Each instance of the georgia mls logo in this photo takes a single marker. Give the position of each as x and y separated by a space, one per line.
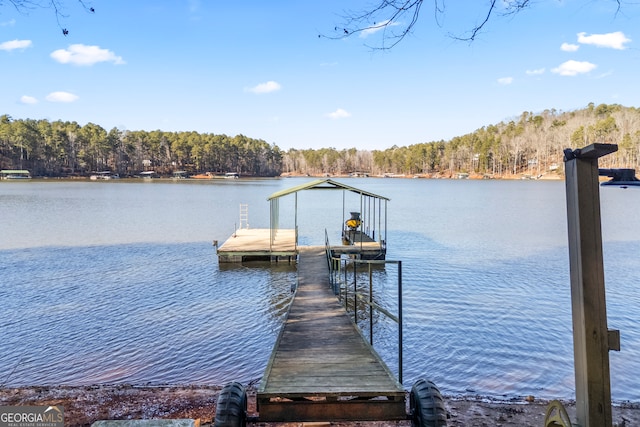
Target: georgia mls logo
31 416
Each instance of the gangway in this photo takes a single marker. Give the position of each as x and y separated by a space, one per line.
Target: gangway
322 368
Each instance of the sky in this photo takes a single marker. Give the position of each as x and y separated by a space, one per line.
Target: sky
259 68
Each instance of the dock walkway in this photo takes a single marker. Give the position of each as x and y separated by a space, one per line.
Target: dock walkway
321 367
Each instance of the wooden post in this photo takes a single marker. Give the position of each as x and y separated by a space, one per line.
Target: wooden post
589 312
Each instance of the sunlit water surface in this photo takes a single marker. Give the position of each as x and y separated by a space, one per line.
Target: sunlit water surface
118 282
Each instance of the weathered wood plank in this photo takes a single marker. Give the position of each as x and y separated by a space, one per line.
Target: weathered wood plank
588 296
331 411
320 353
327 385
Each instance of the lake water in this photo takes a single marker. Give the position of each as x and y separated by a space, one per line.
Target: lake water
118 282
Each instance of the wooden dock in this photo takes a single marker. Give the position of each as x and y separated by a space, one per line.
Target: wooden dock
254 244
321 368
248 244
358 243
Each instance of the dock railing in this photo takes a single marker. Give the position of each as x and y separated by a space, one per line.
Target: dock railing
343 276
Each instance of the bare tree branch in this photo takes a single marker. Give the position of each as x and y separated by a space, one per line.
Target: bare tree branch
55 5
511 7
397 18
383 17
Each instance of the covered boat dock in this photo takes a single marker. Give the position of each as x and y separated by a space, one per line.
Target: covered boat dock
15 174
321 368
363 233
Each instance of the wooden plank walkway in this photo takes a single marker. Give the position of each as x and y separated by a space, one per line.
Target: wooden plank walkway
321 368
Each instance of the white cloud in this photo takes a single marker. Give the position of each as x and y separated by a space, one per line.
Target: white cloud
573 68
80 54
339 114
15 44
9 23
611 40
62 97
535 72
267 87
505 80
569 47
375 28
26 99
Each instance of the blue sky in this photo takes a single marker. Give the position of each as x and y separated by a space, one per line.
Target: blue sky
259 69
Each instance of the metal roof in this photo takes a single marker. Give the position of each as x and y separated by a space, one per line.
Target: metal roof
323 184
8 171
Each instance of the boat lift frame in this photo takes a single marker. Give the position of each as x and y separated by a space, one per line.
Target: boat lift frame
372 212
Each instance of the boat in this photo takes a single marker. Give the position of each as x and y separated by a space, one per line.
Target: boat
231 175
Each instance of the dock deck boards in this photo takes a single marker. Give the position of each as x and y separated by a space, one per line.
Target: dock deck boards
356 237
256 242
360 243
321 368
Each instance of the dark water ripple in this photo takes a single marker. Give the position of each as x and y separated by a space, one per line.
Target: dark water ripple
137 313
143 331
487 306
503 328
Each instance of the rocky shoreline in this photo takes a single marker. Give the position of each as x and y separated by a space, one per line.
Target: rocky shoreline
84 405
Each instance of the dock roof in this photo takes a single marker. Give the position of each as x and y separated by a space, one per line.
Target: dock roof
10 171
324 184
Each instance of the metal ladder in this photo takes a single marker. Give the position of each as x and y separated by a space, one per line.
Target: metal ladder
244 215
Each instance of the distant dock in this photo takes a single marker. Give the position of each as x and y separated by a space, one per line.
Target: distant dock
15 174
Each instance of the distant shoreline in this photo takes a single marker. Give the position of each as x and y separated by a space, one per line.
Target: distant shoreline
202 177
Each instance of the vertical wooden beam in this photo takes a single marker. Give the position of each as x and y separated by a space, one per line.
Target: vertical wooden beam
590 334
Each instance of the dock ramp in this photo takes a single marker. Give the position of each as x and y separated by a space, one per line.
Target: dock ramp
321 368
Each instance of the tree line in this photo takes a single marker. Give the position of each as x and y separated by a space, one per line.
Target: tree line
527 145
530 144
68 149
